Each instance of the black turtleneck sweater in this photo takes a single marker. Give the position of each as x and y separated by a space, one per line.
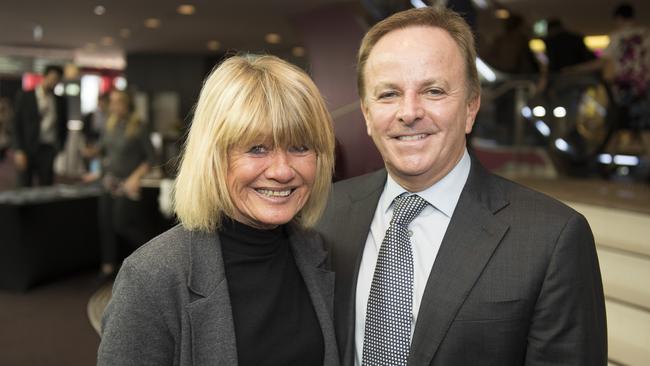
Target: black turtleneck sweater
275 321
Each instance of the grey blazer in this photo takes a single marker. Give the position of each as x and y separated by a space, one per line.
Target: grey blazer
170 303
516 280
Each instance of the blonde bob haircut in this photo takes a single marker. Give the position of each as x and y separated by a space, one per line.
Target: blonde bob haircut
246 99
432 16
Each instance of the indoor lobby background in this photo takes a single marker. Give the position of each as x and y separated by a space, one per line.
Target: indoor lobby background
562 133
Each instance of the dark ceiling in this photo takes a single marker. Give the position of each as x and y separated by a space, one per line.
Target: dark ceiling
240 25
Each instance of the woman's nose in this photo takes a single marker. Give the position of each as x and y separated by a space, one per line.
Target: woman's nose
280 168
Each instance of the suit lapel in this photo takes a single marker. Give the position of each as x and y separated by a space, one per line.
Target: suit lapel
471 238
361 205
310 259
211 322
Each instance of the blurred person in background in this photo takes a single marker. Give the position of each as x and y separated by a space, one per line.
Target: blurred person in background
93 129
625 63
242 280
95 122
127 156
564 48
509 53
6 115
39 130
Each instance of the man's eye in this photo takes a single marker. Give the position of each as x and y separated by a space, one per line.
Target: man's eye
258 149
435 92
388 94
299 149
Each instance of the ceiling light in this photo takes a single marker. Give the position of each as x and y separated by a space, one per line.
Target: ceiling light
152 23
125 33
502 14
186 9
213 45
543 128
481 3
418 4
107 41
99 10
559 112
485 70
273 38
562 145
298 51
37 33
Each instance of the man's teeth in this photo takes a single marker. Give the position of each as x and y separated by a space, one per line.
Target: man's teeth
412 137
272 193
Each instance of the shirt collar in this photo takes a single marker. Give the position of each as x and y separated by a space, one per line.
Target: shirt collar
443 195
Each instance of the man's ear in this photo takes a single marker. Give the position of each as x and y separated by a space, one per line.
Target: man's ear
473 105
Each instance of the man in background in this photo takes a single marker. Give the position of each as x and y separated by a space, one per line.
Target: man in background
39 130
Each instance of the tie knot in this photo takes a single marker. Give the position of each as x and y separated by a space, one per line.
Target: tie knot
407 207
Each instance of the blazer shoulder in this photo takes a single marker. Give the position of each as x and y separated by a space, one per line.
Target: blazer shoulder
523 198
360 186
165 255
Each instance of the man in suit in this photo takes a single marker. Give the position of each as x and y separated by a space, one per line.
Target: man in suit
39 129
488 272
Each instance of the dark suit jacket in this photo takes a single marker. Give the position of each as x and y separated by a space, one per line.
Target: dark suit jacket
516 280
170 303
27 123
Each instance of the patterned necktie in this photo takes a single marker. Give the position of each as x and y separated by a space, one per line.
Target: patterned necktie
387 334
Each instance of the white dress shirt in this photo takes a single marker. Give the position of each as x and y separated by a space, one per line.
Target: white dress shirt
427 230
47 109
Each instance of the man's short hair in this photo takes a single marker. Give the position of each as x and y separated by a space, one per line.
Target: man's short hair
244 99
624 10
438 17
53 68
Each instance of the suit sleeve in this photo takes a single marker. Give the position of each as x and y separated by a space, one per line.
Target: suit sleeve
18 123
133 329
568 325
62 125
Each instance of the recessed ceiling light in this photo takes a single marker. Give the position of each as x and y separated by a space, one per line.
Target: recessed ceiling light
152 23
107 41
502 14
186 9
213 45
125 33
99 10
37 33
298 51
273 38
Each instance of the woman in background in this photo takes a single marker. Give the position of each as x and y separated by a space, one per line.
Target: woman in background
127 156
242 280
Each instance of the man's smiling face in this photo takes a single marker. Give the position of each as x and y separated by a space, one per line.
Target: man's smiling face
417 108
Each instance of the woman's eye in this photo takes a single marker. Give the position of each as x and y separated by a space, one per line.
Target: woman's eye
258 149
299 149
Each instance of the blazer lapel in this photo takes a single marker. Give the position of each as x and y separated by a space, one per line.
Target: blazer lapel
211 322
361 206
311 259
471 238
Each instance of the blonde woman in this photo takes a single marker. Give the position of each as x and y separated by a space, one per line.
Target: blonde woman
127 155
242 280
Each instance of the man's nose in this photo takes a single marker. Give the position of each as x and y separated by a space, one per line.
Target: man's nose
410 109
